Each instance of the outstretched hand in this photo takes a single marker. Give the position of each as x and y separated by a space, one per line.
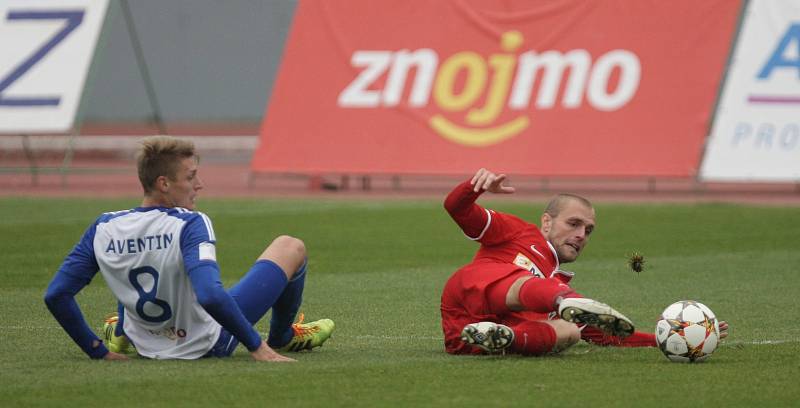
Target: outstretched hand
112 356
723 329
264 353
488 181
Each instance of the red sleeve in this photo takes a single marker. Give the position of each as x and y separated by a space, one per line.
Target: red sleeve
460 204
479 224
637 339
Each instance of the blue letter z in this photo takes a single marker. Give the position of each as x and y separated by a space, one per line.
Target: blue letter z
73 18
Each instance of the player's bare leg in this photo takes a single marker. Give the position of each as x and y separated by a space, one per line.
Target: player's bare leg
575 310
512 298
289 254
567 334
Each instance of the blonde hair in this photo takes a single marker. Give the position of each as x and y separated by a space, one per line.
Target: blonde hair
161 156
558 202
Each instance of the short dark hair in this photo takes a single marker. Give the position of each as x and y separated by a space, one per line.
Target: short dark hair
558 202
160 156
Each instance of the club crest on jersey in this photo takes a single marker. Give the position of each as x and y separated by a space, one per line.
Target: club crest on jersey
523 262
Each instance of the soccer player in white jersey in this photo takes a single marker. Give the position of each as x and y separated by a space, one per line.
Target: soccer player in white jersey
159 260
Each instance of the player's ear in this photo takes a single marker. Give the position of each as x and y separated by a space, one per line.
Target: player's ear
547 223
162 184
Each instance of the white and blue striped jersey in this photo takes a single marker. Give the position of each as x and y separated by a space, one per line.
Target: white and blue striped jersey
143 256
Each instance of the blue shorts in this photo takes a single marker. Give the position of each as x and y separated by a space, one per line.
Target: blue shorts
225 345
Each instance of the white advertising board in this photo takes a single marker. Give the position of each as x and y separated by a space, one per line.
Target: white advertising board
756 131
46 48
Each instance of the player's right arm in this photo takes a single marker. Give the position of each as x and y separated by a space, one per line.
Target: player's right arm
75 272
473 219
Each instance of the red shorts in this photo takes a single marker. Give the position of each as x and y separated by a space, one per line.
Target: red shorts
467 298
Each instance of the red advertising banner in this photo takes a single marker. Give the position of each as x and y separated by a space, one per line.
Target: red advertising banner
565 87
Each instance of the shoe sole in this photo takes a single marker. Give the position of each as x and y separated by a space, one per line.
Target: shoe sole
607 322
303 345
306 345
497 338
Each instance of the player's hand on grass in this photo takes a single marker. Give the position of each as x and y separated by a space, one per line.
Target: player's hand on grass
723 329
112 356
264 353
493 183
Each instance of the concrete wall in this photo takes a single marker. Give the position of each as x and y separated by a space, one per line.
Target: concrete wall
209 60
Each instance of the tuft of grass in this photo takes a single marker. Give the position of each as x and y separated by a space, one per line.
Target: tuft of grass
377 269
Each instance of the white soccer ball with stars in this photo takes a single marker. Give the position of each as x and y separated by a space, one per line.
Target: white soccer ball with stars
687 331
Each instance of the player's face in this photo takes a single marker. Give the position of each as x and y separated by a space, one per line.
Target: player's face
182 190
569 231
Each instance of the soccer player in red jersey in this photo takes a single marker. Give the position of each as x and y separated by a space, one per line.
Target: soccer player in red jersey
513 296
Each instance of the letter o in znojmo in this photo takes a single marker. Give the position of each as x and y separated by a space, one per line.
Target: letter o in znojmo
476 74
630 71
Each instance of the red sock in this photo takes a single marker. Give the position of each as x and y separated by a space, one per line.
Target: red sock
533 338
539 295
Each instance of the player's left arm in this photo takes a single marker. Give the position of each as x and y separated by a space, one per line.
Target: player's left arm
198 246
75 273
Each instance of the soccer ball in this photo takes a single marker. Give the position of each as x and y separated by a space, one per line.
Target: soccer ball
687 331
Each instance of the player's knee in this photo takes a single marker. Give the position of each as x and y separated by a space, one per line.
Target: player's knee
287 252
567 334
290 246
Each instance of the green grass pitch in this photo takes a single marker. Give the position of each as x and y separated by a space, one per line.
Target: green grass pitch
377 269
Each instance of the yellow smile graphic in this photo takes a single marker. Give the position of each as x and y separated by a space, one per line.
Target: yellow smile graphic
478 81
477 137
